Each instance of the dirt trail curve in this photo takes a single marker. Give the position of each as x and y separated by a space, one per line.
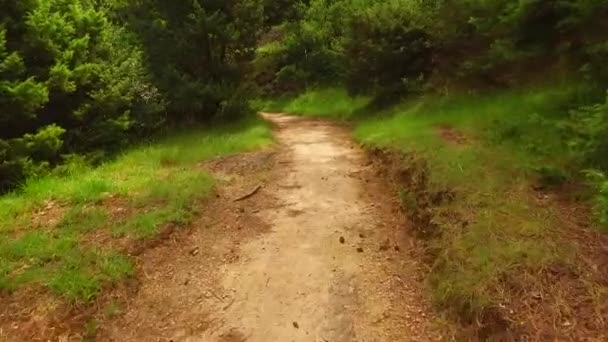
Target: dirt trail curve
331 263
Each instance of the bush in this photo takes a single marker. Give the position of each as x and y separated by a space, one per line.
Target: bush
197 51
73 79
70 81
602 203
588 132
308 51
600 182
388 53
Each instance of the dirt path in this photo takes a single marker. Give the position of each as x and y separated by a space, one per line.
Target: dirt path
318 255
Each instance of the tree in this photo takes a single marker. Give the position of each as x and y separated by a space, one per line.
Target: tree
67 84
198 51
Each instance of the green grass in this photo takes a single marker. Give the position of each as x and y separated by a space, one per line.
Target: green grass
84 219
332 103
149 186
491 173
494 231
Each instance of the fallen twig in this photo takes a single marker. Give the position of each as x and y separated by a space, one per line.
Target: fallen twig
226 307
216 296
255 191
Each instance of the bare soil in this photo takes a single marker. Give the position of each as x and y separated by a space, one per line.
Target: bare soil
452 135
319 253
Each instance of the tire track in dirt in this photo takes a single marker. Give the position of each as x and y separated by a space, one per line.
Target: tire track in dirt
333 265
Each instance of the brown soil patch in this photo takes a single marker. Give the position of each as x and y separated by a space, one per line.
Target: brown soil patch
241 164
452 135
48 216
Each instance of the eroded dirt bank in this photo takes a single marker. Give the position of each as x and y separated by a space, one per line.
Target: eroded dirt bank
318 254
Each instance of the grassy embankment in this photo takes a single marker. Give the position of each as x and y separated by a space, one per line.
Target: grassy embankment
494 239
66 232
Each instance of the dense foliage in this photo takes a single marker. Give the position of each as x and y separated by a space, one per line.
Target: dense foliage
67 84
388 53
82 76
197 51
488 43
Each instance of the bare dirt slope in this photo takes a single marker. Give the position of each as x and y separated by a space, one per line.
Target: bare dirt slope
319 254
